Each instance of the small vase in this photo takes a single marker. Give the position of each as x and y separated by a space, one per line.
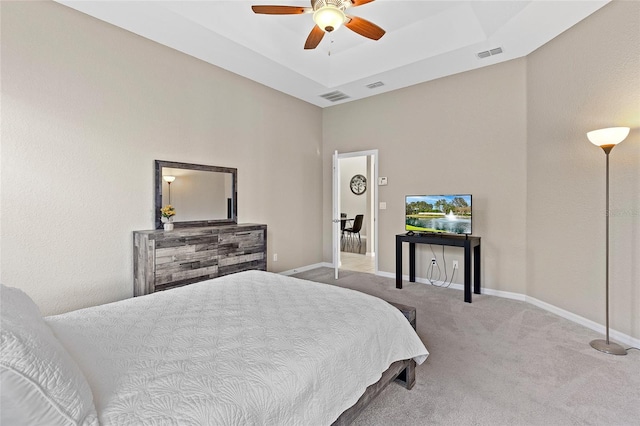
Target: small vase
168 226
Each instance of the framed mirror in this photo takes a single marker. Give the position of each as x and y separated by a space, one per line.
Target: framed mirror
201 195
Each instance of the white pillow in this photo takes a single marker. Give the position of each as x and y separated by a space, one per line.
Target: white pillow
40 383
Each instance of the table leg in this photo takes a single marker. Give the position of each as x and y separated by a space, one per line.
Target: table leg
476 269
398 263
467 272
412 262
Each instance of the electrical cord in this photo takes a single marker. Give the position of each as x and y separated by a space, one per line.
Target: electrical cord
432 267
444 260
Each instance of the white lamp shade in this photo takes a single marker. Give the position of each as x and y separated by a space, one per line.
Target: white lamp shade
608 136
329 18
169 178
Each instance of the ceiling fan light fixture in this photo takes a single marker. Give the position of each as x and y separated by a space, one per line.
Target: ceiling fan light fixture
329 18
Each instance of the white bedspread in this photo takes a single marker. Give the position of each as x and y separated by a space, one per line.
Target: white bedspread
253 348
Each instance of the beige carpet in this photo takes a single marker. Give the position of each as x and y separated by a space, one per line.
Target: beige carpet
498 362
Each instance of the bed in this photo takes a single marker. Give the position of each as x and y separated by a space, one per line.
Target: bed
252 348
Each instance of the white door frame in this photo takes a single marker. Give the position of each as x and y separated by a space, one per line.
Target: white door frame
335 214
336 203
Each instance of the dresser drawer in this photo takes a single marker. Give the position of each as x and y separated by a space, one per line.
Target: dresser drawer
242 250
176 264
242 239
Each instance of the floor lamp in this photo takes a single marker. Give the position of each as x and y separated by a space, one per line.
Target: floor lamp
607 139
169 179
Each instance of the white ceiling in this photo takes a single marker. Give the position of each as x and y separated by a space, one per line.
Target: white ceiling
424 39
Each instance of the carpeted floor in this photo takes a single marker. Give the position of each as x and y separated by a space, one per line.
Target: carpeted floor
498 362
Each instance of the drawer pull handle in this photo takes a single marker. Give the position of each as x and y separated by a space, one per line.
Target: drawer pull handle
243 233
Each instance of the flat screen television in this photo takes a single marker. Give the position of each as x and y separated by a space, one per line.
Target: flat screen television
449 213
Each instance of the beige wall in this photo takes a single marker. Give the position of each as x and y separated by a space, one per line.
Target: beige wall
88 107
513 135
461 134
350 203
585 79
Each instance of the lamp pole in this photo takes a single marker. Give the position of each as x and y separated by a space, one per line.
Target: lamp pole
607 150
607 139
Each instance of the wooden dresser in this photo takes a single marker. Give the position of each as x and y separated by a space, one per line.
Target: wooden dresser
168 259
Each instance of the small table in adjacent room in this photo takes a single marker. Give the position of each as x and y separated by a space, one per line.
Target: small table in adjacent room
468 242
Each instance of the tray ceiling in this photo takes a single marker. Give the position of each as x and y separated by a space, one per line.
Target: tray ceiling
424 40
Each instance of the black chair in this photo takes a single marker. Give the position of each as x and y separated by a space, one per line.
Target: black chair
355 229
343 224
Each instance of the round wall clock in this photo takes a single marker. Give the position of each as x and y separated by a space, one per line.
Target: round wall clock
358 184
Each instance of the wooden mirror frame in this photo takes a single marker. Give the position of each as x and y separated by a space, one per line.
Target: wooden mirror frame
159 164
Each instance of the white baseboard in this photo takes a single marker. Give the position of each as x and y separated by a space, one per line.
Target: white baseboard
613 334
489 291
625 339
307 268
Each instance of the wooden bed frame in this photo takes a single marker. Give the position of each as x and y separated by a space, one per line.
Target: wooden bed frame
403 371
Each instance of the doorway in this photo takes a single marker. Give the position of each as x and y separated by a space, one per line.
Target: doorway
355 250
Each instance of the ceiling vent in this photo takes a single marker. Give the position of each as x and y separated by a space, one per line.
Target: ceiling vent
490 52
374 85
334 96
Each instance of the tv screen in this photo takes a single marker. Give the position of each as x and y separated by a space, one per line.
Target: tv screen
438 213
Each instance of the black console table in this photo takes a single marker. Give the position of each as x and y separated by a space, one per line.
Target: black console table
467 241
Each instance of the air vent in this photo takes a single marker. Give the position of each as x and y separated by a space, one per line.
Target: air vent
374 85
334 96
490 52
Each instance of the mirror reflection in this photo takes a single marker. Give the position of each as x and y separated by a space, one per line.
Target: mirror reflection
201 195
197 194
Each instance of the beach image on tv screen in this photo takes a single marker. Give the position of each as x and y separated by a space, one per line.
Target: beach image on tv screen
438 213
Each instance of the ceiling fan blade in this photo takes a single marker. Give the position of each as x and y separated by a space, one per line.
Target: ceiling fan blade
280 10
364 27
315 37
360 2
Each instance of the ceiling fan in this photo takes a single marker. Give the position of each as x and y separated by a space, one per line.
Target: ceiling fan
328 16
